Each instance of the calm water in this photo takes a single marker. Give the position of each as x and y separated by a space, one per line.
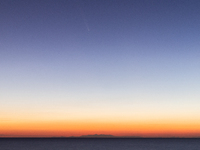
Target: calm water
99 144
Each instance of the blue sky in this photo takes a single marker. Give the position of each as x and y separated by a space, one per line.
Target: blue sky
134 60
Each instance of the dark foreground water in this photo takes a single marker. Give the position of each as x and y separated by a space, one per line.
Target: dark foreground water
99 144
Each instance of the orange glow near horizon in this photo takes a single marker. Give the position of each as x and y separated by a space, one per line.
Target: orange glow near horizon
58 129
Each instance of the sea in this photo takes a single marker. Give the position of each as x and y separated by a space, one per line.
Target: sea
99 144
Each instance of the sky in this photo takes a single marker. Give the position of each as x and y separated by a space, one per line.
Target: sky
117 67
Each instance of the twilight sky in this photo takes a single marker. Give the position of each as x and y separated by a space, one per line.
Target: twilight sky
121 67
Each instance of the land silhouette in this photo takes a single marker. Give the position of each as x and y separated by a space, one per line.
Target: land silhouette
98 136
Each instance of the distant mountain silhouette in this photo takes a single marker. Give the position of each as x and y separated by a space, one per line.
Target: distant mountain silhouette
97 136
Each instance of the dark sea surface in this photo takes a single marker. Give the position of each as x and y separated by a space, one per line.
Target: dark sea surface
98 144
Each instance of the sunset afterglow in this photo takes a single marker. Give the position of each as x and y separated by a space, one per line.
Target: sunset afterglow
122 68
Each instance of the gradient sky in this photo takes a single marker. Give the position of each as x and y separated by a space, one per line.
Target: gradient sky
120 67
